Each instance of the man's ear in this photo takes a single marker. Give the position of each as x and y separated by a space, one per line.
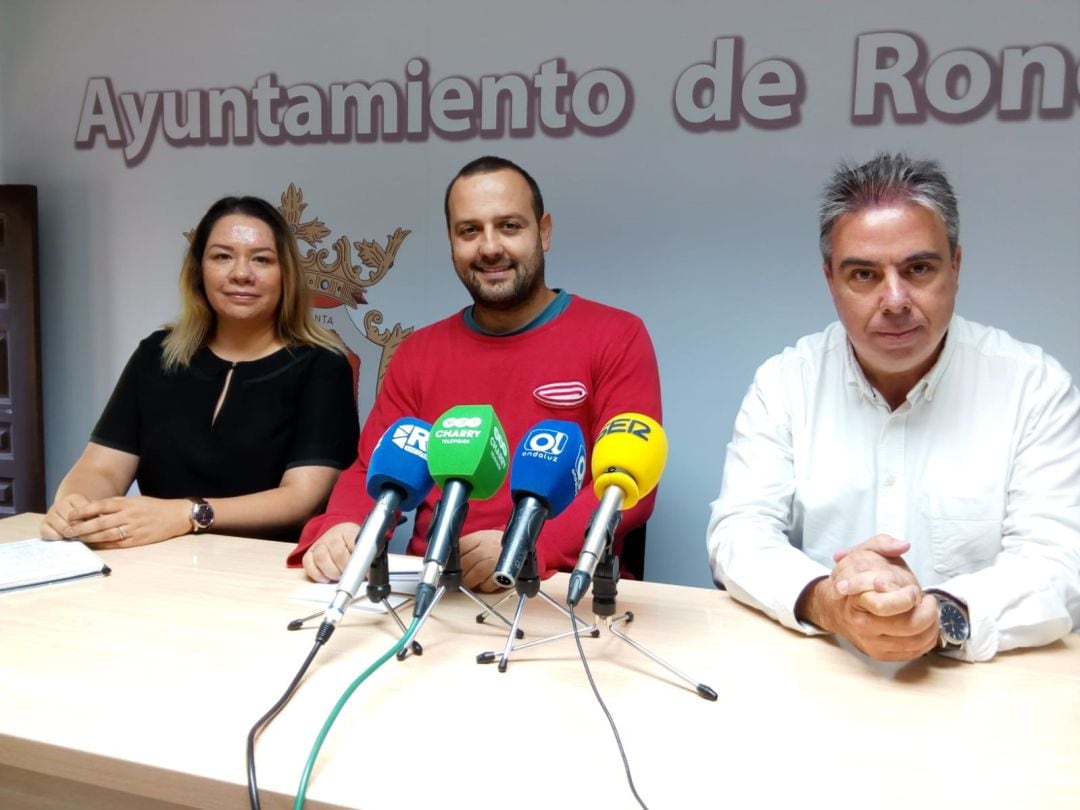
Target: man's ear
545 231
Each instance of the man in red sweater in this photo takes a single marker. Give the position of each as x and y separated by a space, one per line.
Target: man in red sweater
530 351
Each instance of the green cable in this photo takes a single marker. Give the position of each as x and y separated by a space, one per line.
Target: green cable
298 804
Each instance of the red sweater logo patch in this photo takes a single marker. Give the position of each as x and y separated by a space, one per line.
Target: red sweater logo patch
561 394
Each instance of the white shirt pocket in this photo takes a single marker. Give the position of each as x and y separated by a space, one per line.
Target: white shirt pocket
965 532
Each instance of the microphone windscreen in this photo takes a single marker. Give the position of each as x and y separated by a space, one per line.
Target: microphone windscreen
629 453
400 460
549 464
468 444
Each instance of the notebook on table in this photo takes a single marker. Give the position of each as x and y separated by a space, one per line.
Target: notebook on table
34 562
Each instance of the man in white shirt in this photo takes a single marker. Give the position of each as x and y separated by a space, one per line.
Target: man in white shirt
906 479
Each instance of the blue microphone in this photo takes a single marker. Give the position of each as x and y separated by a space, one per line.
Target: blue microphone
398 479
399 462
548 468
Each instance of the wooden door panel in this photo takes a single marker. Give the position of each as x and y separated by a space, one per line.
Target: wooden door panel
22 457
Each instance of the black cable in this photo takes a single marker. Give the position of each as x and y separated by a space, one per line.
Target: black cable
600 700
321 637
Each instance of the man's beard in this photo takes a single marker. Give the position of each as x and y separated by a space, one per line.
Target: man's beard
528 277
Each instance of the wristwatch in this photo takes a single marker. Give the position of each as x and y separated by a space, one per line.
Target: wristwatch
953 625
202 515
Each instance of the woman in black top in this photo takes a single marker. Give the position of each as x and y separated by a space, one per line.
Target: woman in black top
239 415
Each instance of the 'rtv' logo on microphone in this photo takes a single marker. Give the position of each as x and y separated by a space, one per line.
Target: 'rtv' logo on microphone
543 442
624 424
412 439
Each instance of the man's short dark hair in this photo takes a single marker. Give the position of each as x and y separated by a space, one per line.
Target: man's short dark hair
887 179
487 165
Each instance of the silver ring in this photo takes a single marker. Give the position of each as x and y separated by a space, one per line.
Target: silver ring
123 534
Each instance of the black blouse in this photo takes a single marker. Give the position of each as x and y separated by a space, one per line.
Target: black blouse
293 408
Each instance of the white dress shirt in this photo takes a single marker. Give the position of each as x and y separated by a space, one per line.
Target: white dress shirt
979 469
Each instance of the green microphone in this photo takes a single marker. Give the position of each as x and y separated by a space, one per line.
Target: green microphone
468 457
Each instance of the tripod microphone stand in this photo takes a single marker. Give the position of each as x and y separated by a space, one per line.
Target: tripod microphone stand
450 580
527 586
605 591
378 593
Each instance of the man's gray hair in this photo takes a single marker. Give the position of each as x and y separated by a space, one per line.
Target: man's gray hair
885 180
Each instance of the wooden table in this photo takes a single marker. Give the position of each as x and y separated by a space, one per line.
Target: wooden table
138 690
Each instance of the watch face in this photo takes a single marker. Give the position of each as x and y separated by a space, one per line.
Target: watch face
953 624
202 514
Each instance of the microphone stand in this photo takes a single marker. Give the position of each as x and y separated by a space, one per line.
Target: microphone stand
527 585
450 580
605 591
378 592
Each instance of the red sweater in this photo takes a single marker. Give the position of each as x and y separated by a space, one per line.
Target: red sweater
588 364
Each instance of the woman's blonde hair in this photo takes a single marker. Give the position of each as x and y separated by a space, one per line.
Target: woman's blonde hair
295 325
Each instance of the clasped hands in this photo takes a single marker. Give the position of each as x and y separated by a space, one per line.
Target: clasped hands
117 522
874 600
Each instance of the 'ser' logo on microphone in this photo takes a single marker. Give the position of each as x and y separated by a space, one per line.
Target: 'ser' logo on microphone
412 439
622 424
550 442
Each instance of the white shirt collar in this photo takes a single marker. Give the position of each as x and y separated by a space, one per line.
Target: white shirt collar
924 388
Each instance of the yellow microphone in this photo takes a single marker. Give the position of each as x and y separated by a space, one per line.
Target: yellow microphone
628 460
